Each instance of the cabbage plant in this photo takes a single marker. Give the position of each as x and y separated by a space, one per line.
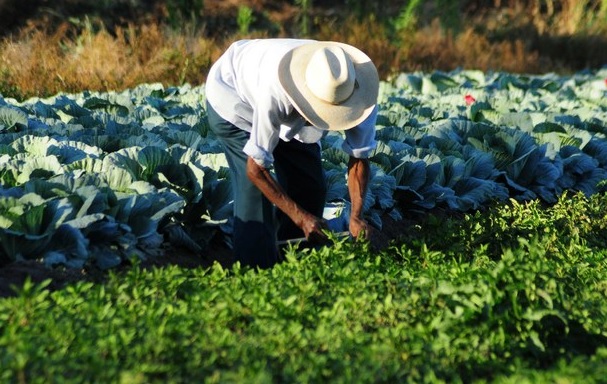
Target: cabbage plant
115 174
28 224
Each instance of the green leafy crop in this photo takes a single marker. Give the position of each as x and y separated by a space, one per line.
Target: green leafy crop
459 141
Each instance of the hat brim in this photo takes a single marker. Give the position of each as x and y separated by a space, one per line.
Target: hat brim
323 115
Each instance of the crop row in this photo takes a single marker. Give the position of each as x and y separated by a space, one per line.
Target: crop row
515 294
102 177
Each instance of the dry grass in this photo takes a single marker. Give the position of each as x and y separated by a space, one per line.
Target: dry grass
40 64
371 37
567 17
528 36
435 49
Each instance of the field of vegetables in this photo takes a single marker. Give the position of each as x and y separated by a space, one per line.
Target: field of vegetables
510 285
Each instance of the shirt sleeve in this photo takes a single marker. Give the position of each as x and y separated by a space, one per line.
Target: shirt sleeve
360 140
265 132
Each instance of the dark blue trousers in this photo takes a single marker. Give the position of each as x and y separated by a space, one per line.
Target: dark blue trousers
257 224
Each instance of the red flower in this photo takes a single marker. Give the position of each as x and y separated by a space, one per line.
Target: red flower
606 82
470 99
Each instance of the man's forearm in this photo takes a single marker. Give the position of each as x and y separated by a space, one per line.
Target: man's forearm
311 225
263 180
358 181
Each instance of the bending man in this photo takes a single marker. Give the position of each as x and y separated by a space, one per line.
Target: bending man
269 102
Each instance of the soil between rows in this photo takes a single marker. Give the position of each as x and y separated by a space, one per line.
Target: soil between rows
14 275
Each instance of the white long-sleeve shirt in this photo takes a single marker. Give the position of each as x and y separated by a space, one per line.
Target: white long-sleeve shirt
243 88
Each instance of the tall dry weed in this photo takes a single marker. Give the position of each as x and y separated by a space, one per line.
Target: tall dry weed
556 17
28 64
38 64
434 48
369 35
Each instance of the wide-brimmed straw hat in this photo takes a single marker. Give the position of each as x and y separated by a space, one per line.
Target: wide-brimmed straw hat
332 85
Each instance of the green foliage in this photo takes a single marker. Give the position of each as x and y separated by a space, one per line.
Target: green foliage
418 312
12 119
574 221
27 225
305 27
181 12
508 289
407 21
445 140
244 19
450 14
358 7
124 181
407 18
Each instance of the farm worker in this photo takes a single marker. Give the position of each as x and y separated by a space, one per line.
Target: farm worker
269 102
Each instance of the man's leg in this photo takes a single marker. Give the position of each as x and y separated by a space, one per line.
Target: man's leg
254 216
299 170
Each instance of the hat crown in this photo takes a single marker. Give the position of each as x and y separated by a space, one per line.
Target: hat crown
330 75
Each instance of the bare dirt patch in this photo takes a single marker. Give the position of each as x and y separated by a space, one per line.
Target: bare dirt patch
13 276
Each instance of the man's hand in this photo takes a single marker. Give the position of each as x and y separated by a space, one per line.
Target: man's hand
311 225
313 228
360 229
